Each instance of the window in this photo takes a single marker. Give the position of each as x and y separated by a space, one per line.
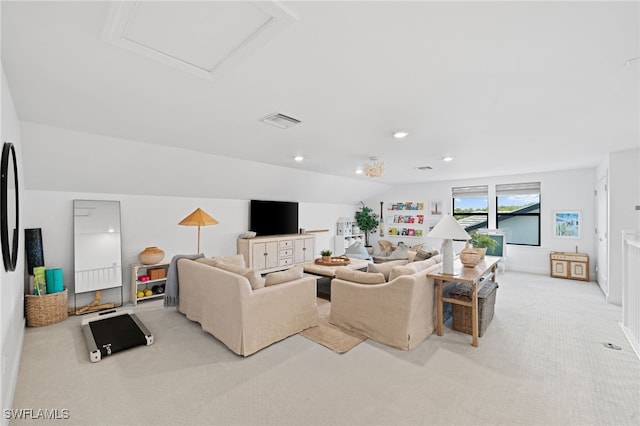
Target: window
518 212
471 206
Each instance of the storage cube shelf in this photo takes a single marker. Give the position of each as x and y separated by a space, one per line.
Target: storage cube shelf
158 277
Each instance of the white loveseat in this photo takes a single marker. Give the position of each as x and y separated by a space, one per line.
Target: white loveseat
397 310
244 319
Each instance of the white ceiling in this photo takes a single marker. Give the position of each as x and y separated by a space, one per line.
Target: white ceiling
503 87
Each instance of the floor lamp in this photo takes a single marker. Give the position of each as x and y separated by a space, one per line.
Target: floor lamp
448 229
198 218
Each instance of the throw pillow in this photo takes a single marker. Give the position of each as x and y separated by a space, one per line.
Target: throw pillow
359 277
412 268
236 259
385 267
424 254
401 252
208 261
280 277
252 275
358 251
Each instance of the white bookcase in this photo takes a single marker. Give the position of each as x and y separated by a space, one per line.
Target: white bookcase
342 242
139 270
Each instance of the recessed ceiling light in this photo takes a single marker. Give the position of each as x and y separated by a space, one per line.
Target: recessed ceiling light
298 158
358 171
400 134
447 159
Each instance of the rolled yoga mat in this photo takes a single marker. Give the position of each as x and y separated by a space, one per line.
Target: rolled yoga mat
54 280
33 247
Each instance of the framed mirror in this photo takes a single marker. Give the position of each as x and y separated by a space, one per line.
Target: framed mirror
10 214
97 249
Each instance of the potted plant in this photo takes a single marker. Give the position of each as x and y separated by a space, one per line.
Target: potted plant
482 242
367 221
326 255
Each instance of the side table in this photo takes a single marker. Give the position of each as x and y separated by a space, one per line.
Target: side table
476 277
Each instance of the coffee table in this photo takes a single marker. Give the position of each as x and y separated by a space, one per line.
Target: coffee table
324 274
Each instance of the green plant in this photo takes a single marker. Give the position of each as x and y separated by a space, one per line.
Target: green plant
326 253
483 241
367 221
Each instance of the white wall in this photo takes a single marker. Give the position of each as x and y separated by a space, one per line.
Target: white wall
624 187
564 190
153 221
64 160
11 283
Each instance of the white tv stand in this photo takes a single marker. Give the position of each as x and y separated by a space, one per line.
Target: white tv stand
277 252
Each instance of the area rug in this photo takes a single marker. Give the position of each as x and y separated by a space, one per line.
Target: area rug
331 336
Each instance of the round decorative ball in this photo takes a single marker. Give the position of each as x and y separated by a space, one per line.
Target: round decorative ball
151 255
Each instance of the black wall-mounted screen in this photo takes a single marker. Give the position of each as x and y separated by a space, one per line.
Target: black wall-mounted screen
273 217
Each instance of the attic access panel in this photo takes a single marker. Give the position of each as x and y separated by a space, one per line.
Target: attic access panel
202 38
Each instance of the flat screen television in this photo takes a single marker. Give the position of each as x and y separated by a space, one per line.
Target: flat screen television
273 217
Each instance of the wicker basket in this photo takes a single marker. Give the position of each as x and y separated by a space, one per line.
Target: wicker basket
462 314
46 309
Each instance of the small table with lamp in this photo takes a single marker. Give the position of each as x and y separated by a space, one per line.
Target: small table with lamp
476 277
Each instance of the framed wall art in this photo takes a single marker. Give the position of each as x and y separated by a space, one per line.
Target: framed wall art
435 208
566 224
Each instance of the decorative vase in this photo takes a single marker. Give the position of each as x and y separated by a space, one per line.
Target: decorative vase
469 256
151 255
326 259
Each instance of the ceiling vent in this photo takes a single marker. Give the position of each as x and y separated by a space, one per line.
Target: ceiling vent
280 120
424 168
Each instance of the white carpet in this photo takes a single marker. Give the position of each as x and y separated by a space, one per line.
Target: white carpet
540 362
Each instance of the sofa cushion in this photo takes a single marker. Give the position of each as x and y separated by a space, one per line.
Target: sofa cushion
236 259
385 267
359 277
280 277
413 267
424 254
357 251
254 277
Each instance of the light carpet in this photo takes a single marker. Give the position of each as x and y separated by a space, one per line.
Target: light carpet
331 336
542 361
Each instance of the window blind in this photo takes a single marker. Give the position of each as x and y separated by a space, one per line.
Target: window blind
518 188
470 191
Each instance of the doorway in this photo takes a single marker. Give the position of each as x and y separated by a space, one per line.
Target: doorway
602 210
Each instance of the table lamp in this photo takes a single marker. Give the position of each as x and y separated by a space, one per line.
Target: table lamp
448 229
198 218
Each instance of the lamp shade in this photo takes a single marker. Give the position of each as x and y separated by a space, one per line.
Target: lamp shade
449 228
198 218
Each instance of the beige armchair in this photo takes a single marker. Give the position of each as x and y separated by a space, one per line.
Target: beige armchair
386 247
398 313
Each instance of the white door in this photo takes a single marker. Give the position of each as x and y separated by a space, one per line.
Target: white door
602 209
